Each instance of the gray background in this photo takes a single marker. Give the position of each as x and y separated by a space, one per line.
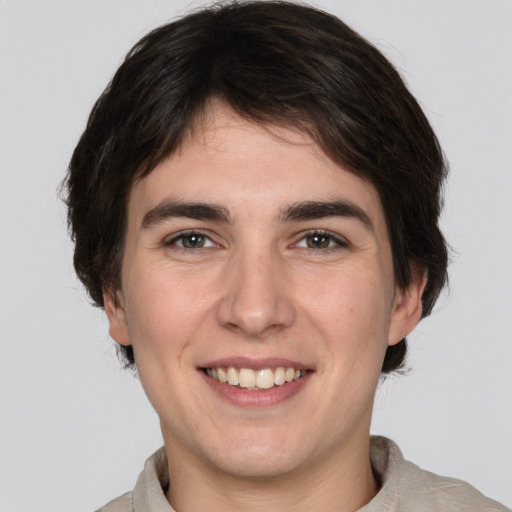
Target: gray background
74 429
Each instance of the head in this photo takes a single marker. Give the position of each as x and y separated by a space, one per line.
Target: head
273 64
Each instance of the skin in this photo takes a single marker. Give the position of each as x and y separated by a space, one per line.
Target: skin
260 287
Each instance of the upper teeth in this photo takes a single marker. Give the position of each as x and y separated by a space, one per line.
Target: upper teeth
265 378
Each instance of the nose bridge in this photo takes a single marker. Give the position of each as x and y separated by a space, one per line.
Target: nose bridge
256 299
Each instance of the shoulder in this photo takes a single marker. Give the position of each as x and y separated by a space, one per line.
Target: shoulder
149 491
122 504
413 488
443 493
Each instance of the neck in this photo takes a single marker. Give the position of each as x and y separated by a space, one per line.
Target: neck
343 483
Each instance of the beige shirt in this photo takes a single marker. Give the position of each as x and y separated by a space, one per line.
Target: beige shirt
405 487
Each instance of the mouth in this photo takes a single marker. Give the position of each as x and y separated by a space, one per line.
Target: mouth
254 380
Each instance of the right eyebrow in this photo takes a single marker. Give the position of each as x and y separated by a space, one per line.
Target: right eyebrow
199 211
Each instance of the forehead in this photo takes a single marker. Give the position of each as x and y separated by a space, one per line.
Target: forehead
250 169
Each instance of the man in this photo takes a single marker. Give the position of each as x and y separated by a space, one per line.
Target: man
255 203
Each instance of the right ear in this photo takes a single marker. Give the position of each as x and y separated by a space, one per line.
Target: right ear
114 308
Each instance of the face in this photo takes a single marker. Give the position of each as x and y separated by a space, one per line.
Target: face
259 297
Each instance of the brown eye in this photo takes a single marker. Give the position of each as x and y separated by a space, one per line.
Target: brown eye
193 241
318 241
190 240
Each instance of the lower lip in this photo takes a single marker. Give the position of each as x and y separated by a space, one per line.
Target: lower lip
256 398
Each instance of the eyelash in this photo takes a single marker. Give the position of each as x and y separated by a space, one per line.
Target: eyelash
184 234
334 241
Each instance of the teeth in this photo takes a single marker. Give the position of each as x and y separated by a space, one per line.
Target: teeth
247 378
232 376
222 375
264 379
279 376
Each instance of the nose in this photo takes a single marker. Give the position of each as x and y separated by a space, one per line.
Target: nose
257 299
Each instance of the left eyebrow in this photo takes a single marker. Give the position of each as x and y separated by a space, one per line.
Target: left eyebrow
311 210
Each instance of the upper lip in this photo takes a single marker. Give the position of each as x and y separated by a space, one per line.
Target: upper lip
255 364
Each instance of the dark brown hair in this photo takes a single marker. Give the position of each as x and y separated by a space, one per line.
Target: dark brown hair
273 62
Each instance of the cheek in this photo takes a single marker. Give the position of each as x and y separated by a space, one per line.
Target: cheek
163 311
164 317
351 295
352 312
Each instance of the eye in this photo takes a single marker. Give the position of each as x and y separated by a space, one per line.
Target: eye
321 240
191 240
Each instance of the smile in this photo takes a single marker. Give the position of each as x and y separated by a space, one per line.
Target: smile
266 378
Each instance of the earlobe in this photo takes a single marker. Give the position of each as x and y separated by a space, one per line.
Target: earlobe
407 308
114 308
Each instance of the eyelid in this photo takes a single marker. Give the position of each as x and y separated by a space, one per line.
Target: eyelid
170 240
340 240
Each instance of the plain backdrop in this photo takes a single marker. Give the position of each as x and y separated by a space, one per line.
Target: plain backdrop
75 429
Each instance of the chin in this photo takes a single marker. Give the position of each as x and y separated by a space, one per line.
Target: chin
260 459
259 466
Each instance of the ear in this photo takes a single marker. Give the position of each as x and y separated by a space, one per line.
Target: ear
114 308
407 307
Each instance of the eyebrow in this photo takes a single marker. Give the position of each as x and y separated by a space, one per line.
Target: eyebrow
199 211
311 210
308 210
